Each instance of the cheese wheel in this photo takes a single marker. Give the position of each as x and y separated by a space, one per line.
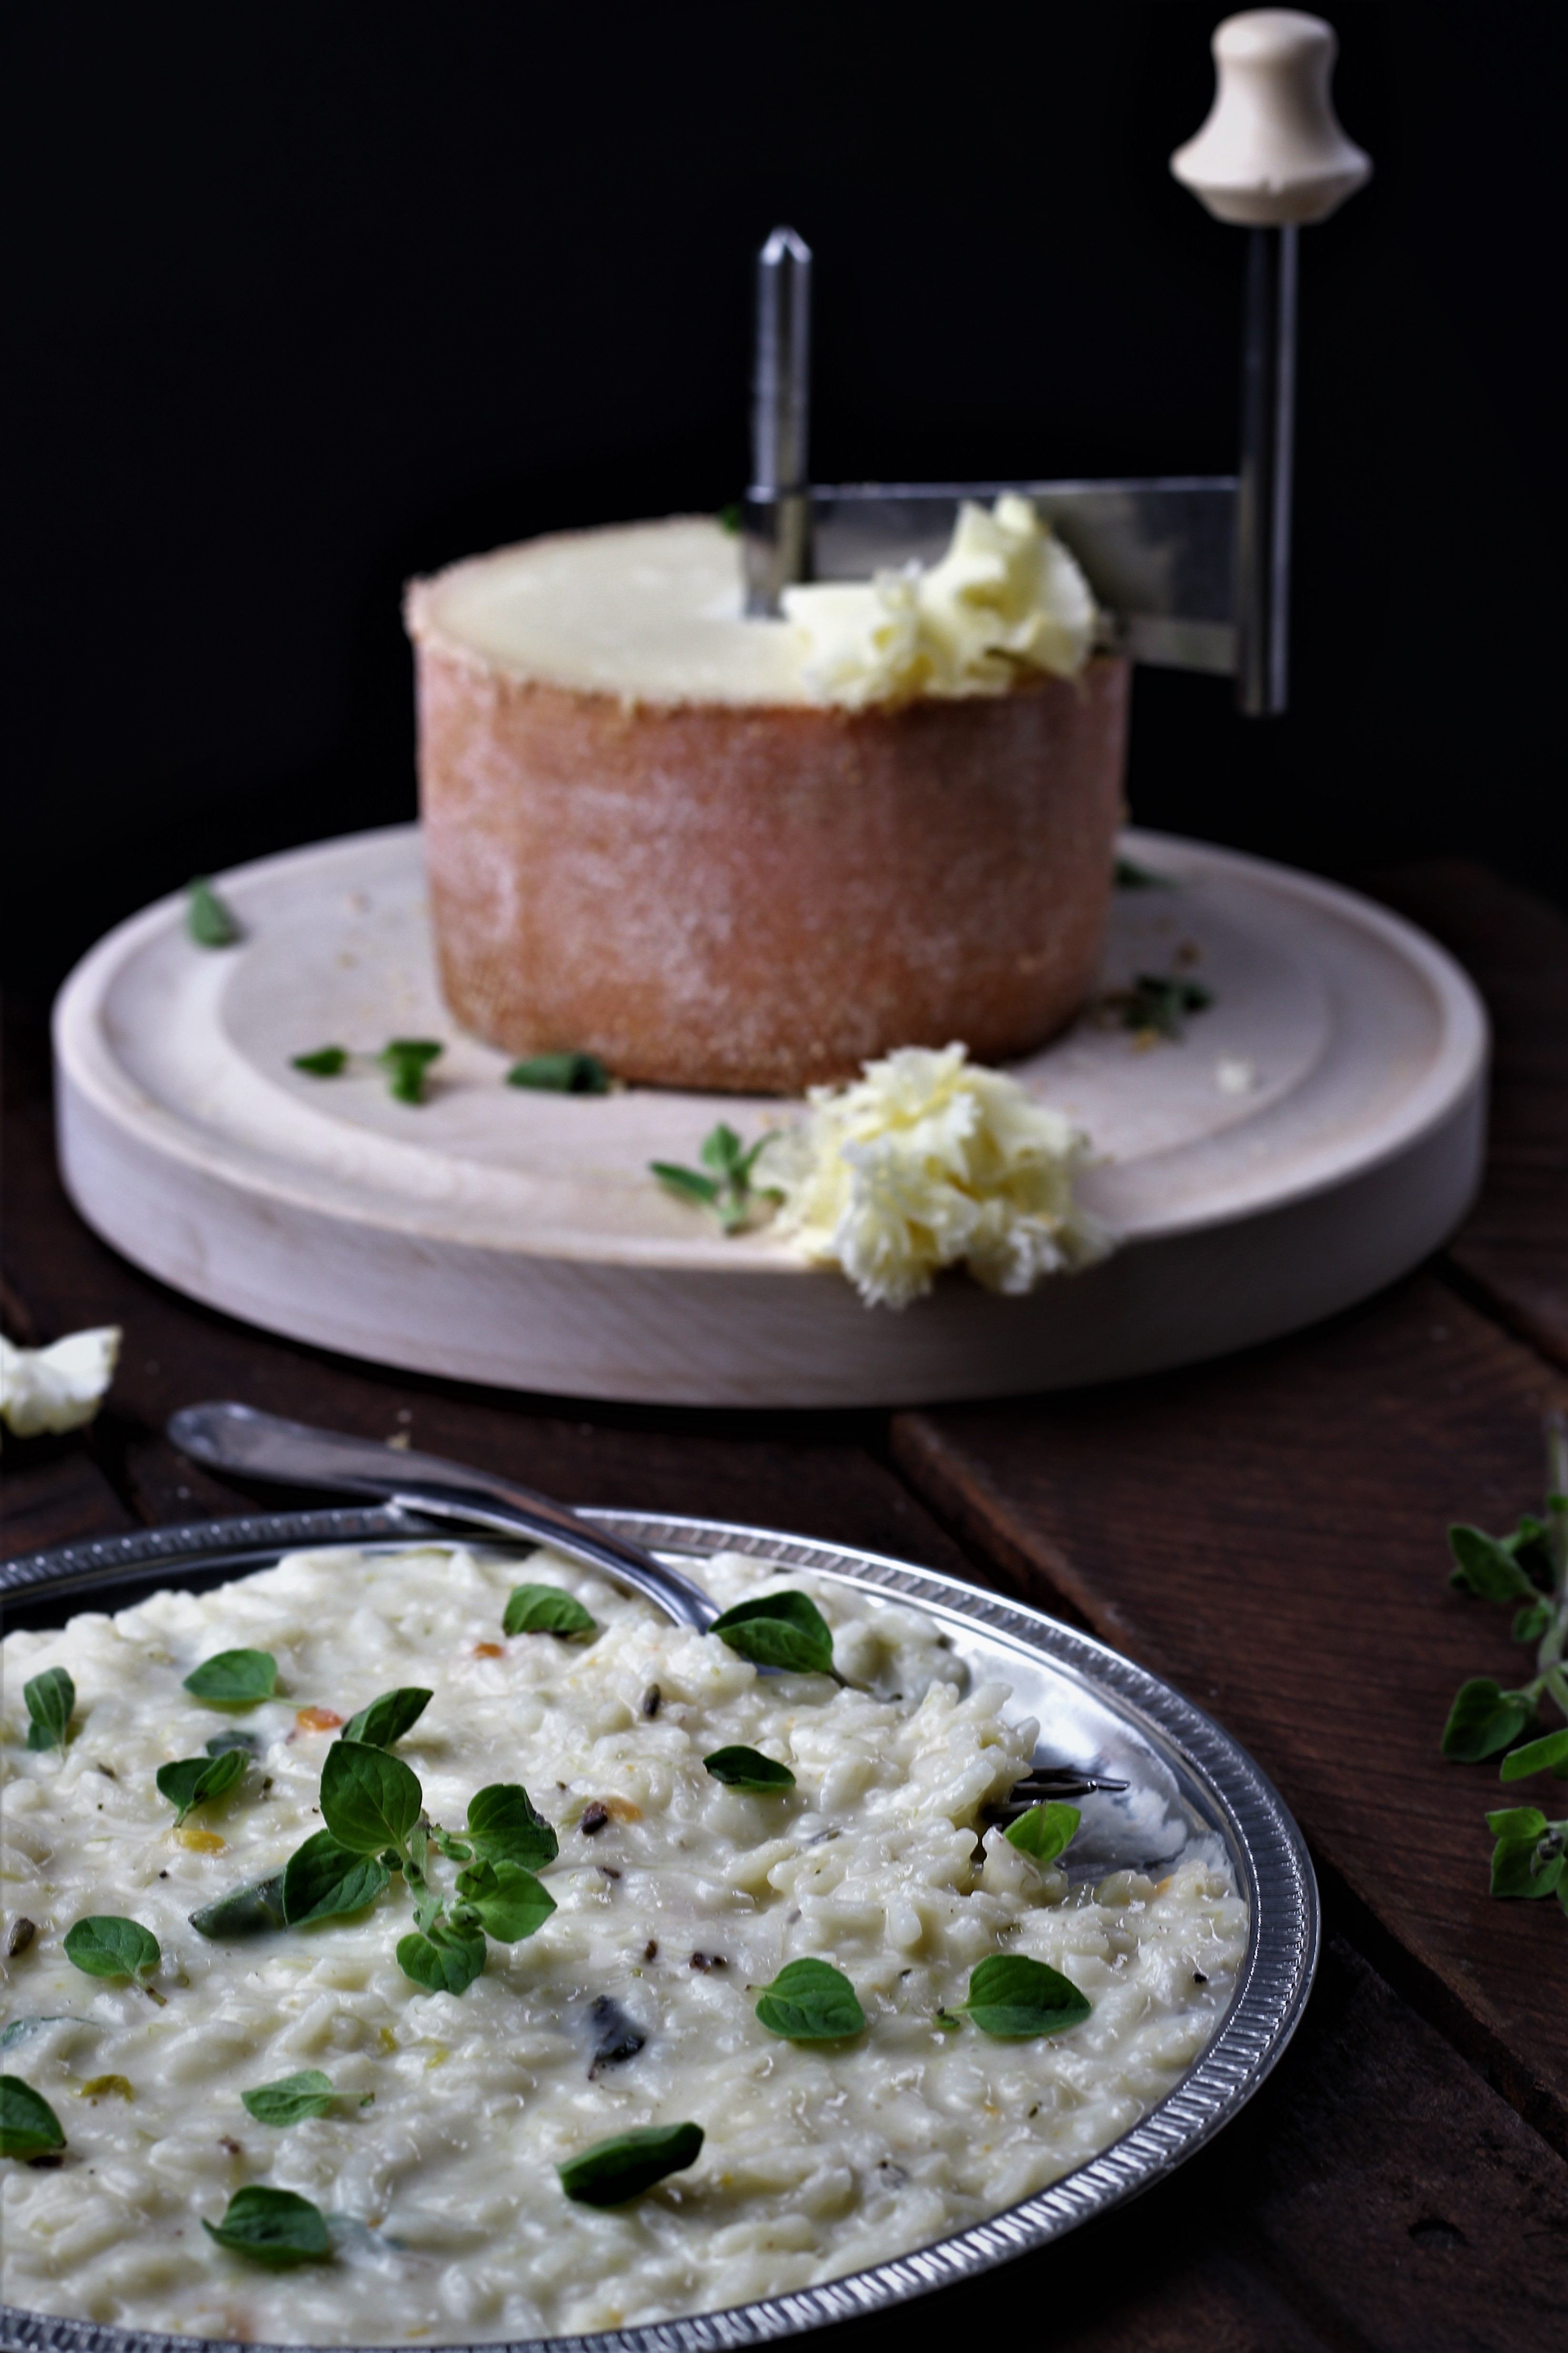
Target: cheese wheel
644 841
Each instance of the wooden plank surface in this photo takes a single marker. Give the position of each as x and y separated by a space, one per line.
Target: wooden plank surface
1267 1533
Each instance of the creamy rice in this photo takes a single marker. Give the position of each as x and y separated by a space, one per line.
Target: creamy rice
447 2215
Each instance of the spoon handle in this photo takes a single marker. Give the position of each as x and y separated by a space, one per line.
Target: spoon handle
237 1437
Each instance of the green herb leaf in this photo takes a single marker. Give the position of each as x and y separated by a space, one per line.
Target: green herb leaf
1482 1565
730 516
1536 1757
324 1878
1531 1622
1044 1830
326 1062
291 2099
561 1074
444 1959
208 920
779 1630
811 2001
545 1609
251 1911
406 1062
234 1678
1526 1867
1517 1822
614 2170
1126 875
1011 1996
105 1945
28 2126
747 1769
369 1799
50 1698
723 1150
445 1843
1483 1719
688 1182
386 1719
510 1901
1158 1001
247 1743
272 2227
504 1827
192 1781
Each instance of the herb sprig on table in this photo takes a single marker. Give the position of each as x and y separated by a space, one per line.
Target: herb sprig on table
1157 1004
1528 1571
723 1184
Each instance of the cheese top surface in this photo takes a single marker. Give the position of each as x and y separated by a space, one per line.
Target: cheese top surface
635 2004
654 612
648 611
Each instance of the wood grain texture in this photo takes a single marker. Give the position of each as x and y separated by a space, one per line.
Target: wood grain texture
1268 1533
1513 1249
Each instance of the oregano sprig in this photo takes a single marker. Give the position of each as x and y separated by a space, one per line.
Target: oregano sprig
723 1184
1528 1572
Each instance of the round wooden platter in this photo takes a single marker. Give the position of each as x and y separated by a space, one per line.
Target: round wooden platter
1314 1134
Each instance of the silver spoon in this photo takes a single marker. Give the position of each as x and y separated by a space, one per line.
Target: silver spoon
228 1437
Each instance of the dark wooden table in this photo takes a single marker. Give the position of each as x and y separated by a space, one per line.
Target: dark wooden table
1267 1533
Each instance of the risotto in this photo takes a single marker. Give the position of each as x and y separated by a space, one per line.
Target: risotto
433 2125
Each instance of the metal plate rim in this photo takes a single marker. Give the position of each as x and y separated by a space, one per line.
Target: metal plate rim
1270 1998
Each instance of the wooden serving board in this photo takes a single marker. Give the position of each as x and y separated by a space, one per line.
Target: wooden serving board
502 1236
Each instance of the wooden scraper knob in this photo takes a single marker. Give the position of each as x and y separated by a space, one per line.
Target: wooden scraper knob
1271 151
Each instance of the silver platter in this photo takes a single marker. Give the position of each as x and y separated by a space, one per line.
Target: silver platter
1191 1788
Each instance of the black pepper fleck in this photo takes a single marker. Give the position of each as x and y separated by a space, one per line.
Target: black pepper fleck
652 1701
1198 1977
706 1961
650 1950
595 1817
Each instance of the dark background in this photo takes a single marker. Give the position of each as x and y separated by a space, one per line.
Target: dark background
307 299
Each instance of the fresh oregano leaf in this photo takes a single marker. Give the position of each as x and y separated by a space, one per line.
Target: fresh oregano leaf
251 1911
28 2126
326 1062
192 1781
503 1827
324 1878
728 1191
1528 1867
50 1698
612 2171
386 1719
445 1959
1485 1565
688 1182
445 1843
1011 1996
779 1630
406 1062
272 2227
561 1074
369 1799
106 1946
1517 1822
234 1678
546 1610
291 2099
1483 1719
509 1902
208 920
1043 1832
748 1768
811 2001
1536 1757
1531 1622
